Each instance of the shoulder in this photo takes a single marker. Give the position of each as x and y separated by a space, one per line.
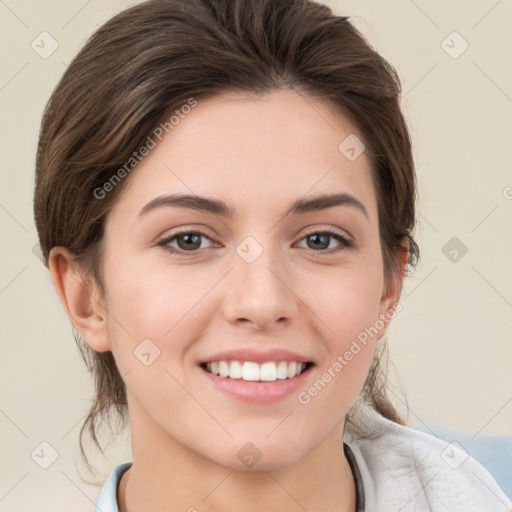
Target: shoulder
408 470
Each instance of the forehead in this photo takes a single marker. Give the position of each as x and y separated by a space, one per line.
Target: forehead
246 149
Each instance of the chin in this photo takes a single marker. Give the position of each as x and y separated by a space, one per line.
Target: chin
271 463
259 456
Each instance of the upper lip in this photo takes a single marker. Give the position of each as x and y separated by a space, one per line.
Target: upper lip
257 356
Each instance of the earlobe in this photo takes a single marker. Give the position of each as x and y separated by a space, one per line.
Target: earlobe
79 298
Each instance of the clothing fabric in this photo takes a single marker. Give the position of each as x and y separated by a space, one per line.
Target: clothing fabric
107 501
349 454
406 470
396 469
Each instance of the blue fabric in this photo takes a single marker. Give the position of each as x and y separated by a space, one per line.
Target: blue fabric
493 452
107 501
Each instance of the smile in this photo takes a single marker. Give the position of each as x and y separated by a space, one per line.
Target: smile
254 372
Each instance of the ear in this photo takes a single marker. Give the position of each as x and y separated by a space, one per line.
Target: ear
391 294
80 298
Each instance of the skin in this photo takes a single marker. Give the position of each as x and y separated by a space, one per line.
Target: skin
258 154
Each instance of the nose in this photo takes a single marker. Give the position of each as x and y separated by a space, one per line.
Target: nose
260 293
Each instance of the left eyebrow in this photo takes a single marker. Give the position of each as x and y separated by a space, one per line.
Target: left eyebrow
217 207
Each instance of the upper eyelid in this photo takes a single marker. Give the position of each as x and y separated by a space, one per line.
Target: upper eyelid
204 232
330 231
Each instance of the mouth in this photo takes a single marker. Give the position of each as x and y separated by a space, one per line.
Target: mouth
257 376
251 371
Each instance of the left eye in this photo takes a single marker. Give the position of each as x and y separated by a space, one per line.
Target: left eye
321 238
190 241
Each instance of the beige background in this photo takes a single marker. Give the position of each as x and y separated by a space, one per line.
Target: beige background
451 345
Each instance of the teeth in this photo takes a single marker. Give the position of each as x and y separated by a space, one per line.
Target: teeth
235 370
223 369
268 372
252 371
282 370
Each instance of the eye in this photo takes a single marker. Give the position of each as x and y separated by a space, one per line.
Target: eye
190 242
319 241
187 241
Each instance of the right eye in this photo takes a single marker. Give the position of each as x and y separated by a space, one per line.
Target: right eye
186 241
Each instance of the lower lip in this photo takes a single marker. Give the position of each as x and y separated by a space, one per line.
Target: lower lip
258 392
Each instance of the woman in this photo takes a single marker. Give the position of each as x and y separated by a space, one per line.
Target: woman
225 198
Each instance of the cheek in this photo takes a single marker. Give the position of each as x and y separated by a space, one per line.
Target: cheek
149 324
155 316
348 317
347 305
152 301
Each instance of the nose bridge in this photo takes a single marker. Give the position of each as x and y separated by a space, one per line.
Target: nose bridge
258 291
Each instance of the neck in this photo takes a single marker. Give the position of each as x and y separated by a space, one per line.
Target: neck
166 475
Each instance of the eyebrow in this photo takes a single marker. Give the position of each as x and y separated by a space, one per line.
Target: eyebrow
217 207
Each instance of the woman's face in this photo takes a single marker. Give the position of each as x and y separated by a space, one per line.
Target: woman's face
187 286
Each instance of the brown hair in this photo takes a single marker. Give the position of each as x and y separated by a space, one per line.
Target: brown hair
149 60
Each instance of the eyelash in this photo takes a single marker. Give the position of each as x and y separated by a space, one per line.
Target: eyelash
345 242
